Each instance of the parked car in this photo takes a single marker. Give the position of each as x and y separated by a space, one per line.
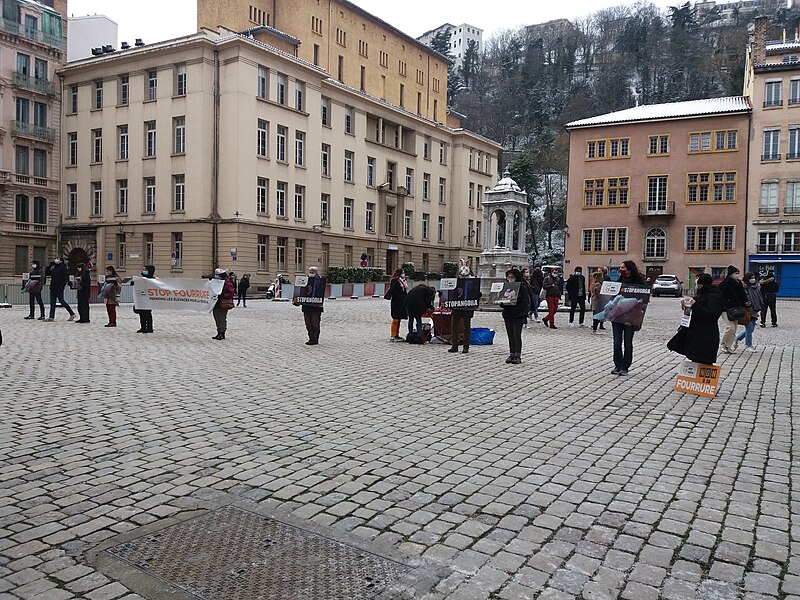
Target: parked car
667 284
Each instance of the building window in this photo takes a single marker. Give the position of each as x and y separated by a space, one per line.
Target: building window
22 160
363 48
478 238
362 78
348 256
794 91
262 193
22 209
658 145
178 193
370 172
299 148
426 219
426 147
180 79
39 164
98 94
384 59
325 110
657 193
340 69
280 92
390 220
150 138
123 90
341 37
391 168
179 129
706 187
402 96
716 238
262 252
767 241
442 190
792 198
772 138
426 186
152 85
149 194
772 93
440 230
97 145
714 141
349 124
325 209
280 198
326 160
299 202
408 223
122 142
316 25
479 196
72 199
149 249
791 241
768 201
122 250
262 135
263 79
655 244
794 143
97 198
442 153
316 54
281 143
348 166
611 148
409 181
177 250
298 255
401 68
280 254
74 99
369 221
299 95
348 213
122 196
420 76
72 140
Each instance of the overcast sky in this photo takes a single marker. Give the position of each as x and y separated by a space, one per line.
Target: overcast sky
156 20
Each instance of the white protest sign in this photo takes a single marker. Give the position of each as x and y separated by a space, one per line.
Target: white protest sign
194 295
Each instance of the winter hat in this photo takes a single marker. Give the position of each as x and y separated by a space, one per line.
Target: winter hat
516 273
732 270
219 271
705 279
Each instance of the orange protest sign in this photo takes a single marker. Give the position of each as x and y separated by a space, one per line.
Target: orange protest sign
698 379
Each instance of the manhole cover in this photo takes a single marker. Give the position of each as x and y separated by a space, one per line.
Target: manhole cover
235 554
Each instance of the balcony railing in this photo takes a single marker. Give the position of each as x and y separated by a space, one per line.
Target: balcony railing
791 155
32 34
35 227
41 86
778 248
770 103
766 157
33 131
793 101
768 210
648 210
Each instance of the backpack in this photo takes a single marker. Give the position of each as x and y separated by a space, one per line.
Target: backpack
413 338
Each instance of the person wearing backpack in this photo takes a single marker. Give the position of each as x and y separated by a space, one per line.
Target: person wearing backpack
735 300
34 286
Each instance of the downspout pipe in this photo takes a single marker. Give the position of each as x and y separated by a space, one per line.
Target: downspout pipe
214 217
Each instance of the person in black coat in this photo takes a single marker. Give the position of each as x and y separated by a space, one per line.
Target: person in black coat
59 277
83 287
515 315
312 313
702 339
769 289
146 316
397 292
734 296
244 285
34 286
622 332
419 301
576 294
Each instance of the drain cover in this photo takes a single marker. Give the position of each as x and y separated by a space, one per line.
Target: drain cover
235 554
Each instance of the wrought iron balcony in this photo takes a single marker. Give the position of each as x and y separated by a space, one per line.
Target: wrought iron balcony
766 157
32 34
646 209
30 130
41 86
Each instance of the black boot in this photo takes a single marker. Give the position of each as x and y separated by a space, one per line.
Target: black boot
453 348
465 350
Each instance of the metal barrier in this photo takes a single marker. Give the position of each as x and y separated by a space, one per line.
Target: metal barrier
11 293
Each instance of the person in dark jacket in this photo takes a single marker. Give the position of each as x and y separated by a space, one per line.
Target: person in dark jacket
461 318
623 333
34 286
536 281
734 297
312 313
146 316
769 289
83 287
702 339
397 292
111 291
419 300
576 294
244 285
219 311
514 317
59 277
554 288
757 304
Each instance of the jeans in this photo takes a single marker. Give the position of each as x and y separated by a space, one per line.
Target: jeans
242 297
623 336
573 304
747 334
534 306
38 299
58 294
514 331
411 321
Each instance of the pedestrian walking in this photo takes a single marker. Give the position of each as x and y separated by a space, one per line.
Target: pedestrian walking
224 303
702 336
461 318
594 298
83 288
419 300
514 316
59 277
735 302
312 313
576 294
769 289
110 292
554 289
757 304
536 284
396 294
34 285
623 333
146 315
244 285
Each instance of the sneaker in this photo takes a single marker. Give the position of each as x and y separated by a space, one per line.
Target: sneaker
516 360
572 324
29 317
48 320
615 371
537 320
774 324
524 325
71 318
623 372
465 350
42 319
763 324
750 349
453 349
581 325
509 360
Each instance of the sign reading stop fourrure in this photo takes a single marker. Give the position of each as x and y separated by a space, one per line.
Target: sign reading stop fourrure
194 295
698 379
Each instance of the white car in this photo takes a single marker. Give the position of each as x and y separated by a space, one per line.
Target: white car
667 284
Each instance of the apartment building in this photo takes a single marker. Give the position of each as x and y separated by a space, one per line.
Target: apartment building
353 46
459 38
32 47
662 185
772 80
225 148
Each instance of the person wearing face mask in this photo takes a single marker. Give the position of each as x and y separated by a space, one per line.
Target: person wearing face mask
146 316
83 287
312 313
735 298
59 277
397 292
554 288
702 338
34 286
514 317
757 304
623 333
224 303
110 292
576 294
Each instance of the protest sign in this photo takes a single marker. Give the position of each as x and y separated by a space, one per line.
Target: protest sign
466 293
194 295
309 290
623 303
698 379
507 295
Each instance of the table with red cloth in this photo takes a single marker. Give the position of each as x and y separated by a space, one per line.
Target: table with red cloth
441 320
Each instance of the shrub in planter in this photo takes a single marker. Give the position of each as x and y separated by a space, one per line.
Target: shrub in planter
417 276
408 269
433 275
354 274
450 269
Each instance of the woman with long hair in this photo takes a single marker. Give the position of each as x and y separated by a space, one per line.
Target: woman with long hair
397 292
623 332
110 292
83 286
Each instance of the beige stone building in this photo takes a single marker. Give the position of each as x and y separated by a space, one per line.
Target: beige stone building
32 47
662 185
772 81
225 148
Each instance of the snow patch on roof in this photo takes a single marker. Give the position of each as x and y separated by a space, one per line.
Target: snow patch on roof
672 110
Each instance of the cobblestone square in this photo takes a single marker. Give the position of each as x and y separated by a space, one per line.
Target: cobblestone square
549 479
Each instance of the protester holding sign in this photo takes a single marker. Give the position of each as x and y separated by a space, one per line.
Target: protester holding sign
623 331
702 336
514 316
145 315
224 304
110 293
33 286
310 298
462 301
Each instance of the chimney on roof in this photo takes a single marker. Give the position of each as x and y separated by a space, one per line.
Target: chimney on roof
125 46
758 46
139 42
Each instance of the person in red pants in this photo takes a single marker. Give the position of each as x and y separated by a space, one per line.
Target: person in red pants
110 292
554 288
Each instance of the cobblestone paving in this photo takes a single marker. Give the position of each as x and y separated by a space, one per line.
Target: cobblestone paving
551 479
